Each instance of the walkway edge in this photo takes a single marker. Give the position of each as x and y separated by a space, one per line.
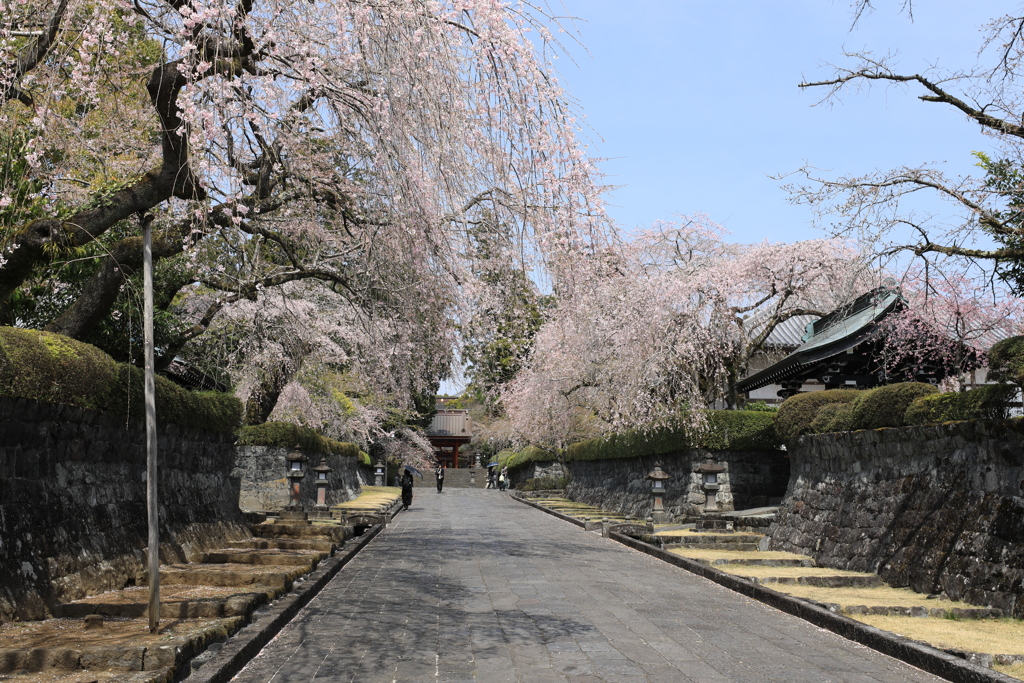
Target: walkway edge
247 643
922 656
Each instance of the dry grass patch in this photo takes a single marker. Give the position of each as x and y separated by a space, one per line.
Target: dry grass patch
373 496
24 635
784 572
1016 669
879 596
988 636
140 594
712 555
697 534
82 677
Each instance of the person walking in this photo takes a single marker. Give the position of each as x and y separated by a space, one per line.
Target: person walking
490 478
439 473
503 479
407 489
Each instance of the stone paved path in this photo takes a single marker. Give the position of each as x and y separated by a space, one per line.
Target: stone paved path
469 585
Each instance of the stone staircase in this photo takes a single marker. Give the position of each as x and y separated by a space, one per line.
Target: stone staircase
737 553
455 479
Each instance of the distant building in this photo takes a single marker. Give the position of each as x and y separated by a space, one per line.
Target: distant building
449 429
839 350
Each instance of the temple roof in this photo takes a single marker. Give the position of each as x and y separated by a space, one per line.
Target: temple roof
836 333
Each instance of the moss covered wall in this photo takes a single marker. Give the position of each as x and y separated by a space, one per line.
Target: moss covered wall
73 501
939 508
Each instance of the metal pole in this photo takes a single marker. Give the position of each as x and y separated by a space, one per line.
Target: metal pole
151 476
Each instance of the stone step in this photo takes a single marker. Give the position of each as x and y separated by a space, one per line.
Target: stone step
454 479
834 581
202 608
295 558
274 579
704 540
329 532
283 544
754 562
919 611
705 545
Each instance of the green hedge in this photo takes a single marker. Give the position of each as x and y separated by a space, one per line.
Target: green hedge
52 368
887 405
833 417
503 457
288 435
1006 361
727 430
985 402
797 413
528 455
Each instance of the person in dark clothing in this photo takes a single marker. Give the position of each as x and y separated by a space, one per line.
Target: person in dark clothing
490 477
407 489
439 473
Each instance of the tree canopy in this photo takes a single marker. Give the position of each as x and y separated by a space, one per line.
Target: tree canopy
313 172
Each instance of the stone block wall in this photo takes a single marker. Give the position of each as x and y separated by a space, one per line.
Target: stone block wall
534 470
751 479
259 477
73 502
938 508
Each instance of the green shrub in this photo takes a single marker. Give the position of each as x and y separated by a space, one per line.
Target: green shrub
985 402
543 483
832 417
739 430
726 430
288 435
503 457
797 413
760 406
52 368
887 405
1006 361
364 458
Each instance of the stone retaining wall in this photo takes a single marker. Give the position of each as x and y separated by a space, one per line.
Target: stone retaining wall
937 508
73 502
751 479
258 475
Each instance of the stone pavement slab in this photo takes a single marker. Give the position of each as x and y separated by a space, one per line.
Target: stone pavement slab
469 585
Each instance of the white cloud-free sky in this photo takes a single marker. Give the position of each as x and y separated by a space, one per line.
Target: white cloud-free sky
695 103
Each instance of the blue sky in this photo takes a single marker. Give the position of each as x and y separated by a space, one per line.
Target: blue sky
694 104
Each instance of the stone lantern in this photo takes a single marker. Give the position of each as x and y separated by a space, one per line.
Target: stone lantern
657 477
295 475
322 470
378 473
709 471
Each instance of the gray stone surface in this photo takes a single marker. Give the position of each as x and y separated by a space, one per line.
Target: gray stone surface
751 479
258 472
471 586
73 502
938 508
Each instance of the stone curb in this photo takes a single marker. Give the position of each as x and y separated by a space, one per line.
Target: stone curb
247 643
922 656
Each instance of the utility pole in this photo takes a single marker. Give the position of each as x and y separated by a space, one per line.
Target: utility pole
150 388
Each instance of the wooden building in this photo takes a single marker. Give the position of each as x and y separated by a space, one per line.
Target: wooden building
842 350
449 429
